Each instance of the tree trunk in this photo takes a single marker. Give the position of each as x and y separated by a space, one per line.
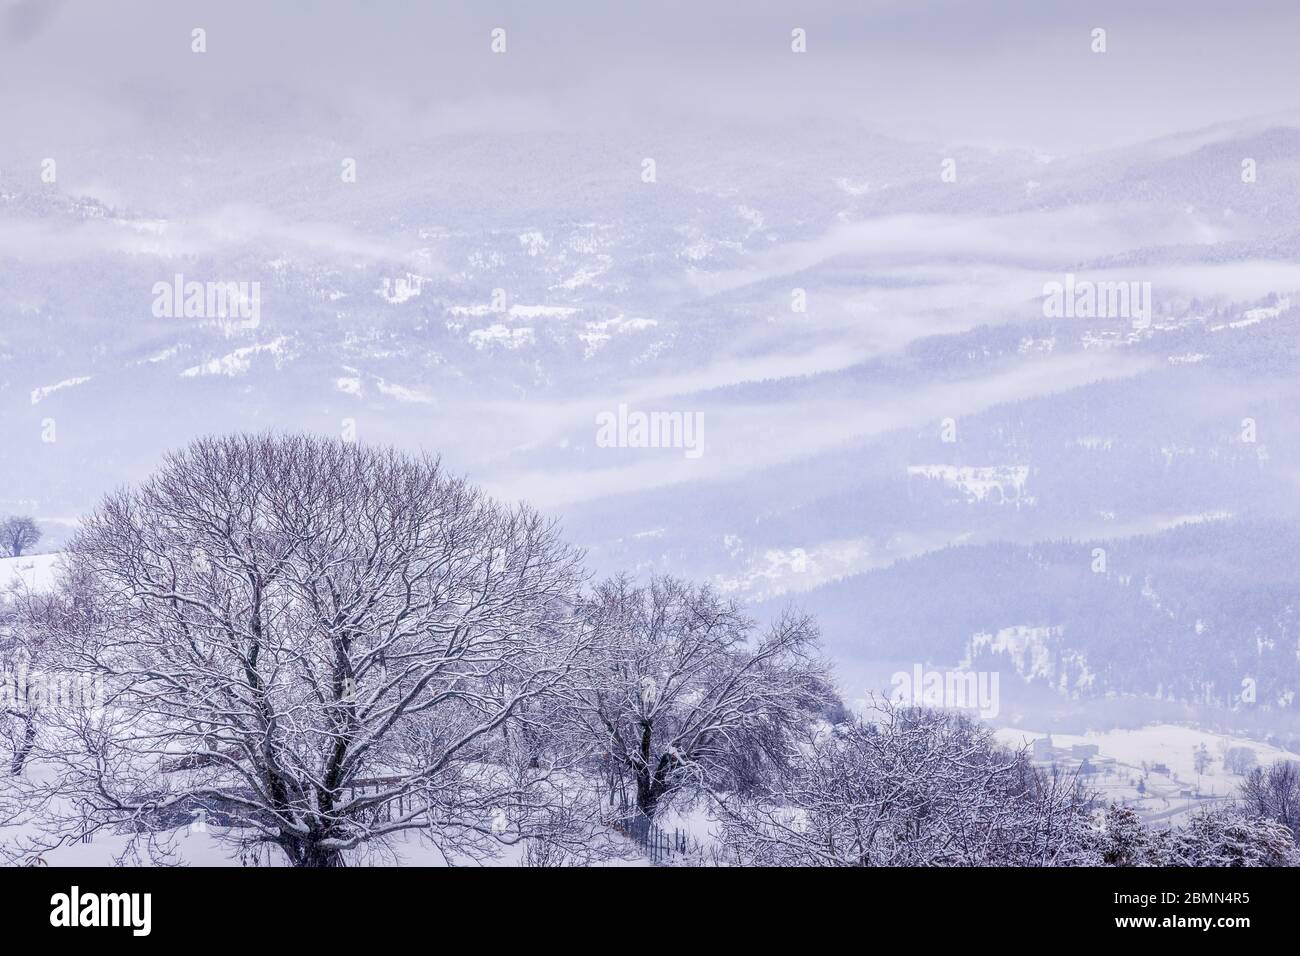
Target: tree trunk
310 854
647 795
22 752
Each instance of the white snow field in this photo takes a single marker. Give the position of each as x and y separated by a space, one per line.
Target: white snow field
1161 758
34 571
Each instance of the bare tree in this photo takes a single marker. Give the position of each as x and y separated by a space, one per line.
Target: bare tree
1201 759
683 692
317 644
17 534
1275 793
1239 760
25 682
913 787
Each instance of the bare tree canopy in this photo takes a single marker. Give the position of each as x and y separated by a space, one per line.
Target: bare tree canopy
914 787
683 691
1274 793
18 534
316 642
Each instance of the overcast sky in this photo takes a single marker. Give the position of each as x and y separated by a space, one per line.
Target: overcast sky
81 73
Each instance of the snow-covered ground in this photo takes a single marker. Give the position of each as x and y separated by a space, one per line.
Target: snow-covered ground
1167 744
207 848
34 571
206 845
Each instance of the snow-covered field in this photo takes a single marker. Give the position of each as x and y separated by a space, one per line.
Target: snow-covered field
34 571
207 848
1140 755
1167 744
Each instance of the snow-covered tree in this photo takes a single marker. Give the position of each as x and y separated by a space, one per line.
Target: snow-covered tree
24 679
322 644
1201 759
1123 840
1229 837
1275 793
17 534
1240 760
685 693
911 787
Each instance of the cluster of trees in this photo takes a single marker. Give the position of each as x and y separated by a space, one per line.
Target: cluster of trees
326 648
914 787
1239 760
1230 836
18 534
924 788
